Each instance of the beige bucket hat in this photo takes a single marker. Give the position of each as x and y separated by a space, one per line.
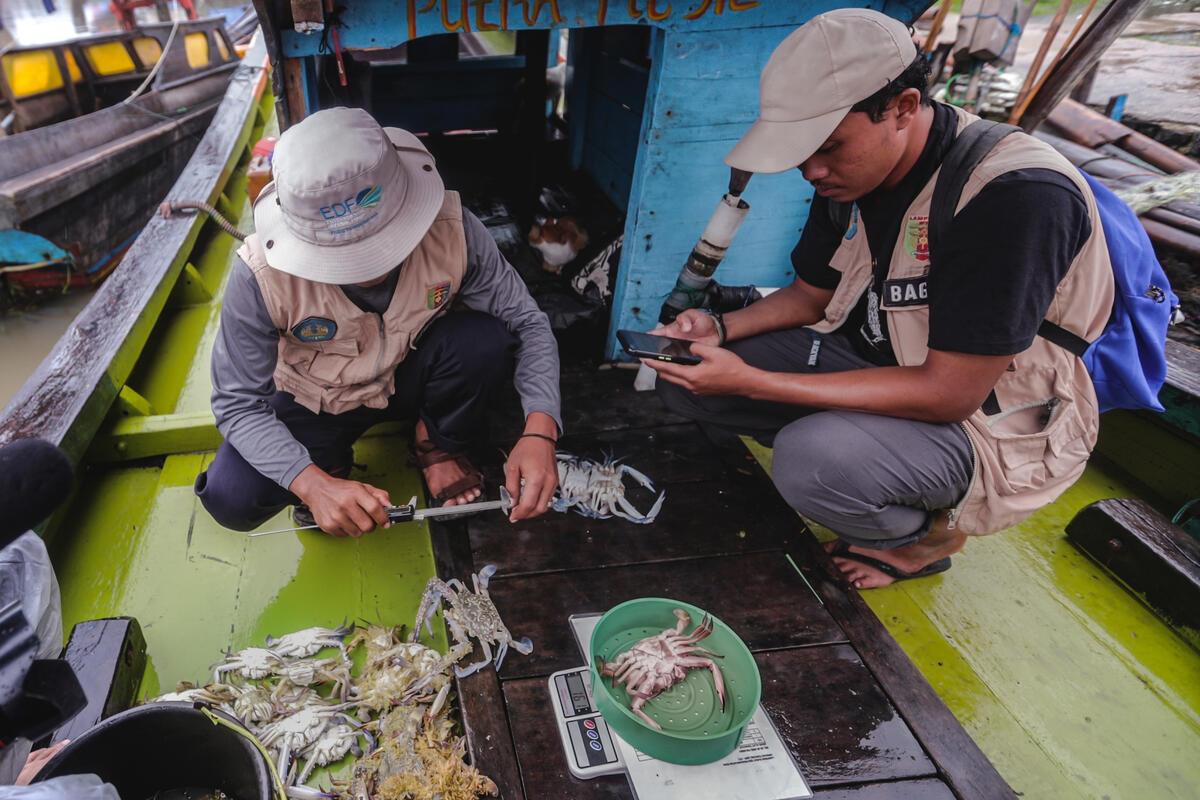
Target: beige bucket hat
350 199
812 80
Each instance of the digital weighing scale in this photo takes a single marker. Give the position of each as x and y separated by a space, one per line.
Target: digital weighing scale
761 768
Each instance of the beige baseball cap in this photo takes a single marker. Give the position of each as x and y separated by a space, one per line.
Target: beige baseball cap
813 78
350 200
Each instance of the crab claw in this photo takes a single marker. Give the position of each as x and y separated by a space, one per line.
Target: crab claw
485 575
524 645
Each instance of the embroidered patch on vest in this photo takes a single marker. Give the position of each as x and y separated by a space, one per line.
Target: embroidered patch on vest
903 292
315 329
916 238
437 295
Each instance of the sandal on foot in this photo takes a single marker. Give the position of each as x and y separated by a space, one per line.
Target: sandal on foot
842 550
427 454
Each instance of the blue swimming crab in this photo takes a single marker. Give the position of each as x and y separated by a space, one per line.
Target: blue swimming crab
469 615
656 663
596 489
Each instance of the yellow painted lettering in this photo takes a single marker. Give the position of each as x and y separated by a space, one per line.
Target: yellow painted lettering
654 14
602 12
699 11
742 5
413 11
634 11
463 23
481 23
555 16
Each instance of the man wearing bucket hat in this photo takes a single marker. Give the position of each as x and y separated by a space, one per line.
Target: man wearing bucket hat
368 293
909 396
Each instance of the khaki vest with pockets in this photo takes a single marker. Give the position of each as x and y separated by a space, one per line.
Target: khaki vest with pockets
1039 443
352 363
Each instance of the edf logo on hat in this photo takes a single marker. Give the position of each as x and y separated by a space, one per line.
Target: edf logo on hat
367 198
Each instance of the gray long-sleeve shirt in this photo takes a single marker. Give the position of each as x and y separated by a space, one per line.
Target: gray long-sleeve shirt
247 345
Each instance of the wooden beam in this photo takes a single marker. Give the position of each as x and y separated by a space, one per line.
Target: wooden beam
1146 552
1092 129
109 658
1115 17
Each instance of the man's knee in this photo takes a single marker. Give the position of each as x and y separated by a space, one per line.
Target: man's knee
234 497
820 468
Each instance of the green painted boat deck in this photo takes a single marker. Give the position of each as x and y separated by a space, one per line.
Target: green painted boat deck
1067 681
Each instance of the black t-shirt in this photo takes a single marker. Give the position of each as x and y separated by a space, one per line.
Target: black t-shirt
991 279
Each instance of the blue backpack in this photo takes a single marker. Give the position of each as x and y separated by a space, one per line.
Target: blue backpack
1127 362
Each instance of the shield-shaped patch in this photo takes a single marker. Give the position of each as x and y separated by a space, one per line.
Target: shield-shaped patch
437 295
315 329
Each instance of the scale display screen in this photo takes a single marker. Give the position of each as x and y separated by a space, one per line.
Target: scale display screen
574 694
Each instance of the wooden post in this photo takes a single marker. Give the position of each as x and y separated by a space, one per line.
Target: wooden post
935 28
1019 110
1036 65
68 82
1086 52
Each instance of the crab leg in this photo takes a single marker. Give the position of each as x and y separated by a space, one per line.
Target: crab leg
478 665
710 665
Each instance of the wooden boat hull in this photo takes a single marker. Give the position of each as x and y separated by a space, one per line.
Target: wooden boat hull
86 186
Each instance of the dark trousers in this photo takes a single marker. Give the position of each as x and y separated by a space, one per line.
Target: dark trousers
873 480
449 381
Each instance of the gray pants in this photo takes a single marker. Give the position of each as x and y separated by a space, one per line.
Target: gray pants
873 480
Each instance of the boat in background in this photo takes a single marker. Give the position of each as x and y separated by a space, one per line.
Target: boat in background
100 127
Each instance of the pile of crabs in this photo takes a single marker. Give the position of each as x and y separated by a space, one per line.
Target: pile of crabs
302 698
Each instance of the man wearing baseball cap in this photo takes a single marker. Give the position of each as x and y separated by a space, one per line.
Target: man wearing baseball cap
369 293
909 396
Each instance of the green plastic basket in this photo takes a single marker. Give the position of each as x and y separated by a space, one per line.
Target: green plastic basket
694 728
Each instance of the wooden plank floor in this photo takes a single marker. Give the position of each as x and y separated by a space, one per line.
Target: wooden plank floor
857 715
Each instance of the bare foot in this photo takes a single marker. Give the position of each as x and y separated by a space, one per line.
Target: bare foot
447 473
937 544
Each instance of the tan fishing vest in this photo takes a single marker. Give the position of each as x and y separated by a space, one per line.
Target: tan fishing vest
1037 446
335 357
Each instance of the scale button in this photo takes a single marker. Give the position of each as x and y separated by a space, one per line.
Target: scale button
593 735
596 746
591 726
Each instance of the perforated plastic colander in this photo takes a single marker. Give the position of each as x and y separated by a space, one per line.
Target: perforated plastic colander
695 730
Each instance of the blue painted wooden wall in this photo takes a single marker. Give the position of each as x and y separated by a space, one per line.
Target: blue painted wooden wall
701 95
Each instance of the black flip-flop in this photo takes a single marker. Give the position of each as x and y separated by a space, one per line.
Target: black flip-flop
842 550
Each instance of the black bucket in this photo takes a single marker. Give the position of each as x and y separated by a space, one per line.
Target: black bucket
162 746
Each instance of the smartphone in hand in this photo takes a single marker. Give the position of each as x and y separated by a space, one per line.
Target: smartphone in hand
658 348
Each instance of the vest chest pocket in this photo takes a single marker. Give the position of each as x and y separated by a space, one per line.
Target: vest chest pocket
323 361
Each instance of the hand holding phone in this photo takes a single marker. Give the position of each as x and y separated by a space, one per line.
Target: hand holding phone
658 348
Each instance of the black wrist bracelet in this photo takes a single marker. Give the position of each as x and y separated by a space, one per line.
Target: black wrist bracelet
549 439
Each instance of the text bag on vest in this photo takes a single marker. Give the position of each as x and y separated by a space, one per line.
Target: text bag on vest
1127 362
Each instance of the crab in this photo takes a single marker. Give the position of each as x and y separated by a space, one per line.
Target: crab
252 663
310 641
469 615
406 672
306 672
253 704
596 489
297 731
330 746
216 694
656 663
